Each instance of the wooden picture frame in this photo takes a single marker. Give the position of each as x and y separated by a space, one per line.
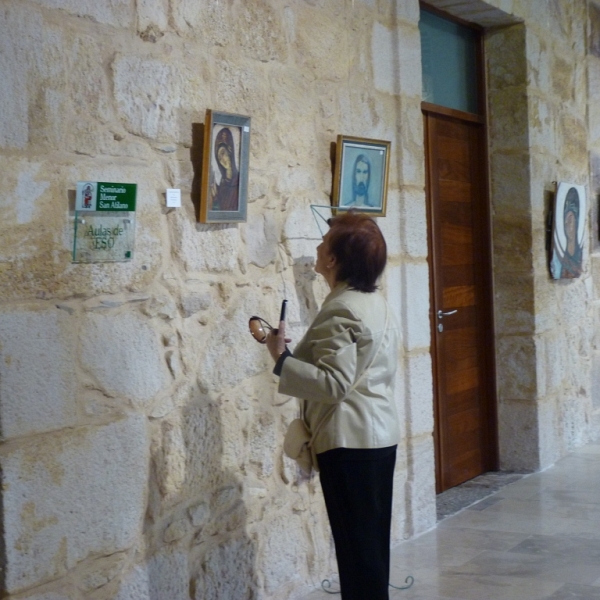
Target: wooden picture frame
225 159
360 177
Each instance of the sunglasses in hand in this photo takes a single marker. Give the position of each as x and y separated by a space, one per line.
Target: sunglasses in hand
257 327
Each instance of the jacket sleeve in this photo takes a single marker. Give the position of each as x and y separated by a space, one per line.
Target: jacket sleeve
330 374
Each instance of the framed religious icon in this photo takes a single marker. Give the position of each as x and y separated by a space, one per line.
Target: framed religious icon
360 177
224 189
568 231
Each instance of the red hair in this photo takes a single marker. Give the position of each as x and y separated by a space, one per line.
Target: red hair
359 249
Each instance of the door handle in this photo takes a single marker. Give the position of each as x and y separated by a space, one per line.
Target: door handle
441 313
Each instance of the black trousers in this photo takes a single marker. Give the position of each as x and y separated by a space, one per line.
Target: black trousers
357 485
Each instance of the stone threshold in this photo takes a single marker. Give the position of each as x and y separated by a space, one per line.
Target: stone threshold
472 492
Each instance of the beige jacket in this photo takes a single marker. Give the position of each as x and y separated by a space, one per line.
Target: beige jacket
338 346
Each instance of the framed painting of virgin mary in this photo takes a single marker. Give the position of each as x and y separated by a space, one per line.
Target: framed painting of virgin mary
568 231
224 189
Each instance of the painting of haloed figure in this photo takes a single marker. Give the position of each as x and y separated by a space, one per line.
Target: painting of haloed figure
361 175
224 188
568 231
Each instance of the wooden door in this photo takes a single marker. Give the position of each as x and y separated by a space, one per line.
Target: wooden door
461 307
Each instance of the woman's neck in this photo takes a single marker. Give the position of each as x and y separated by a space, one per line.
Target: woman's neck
331 278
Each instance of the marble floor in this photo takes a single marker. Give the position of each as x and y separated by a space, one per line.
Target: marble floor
535 538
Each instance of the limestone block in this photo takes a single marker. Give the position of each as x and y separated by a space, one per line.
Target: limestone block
419 391
228 571
206 247
321 45
513 302
562 73
199 514
47 596
508 192
262 236
124 354
509 119
574 303
112 12
148 95
70 495
23 200
236 422
391 224
396 56
542 120
37 372
259 30
291 121
212 18
230 362
564 424
505 51
551 441
90 98
416 325
555 364
195 301
400 391
358 108
264 439
420 484
165 575
176 530
594 92
572 136
516 368
518 436
386 58
103 570
410 148
162 306
295 181
512 244
239 88
595 382
14 125
171 457
413 224
394 295
301 232
281 560
189 456
407 10
152 16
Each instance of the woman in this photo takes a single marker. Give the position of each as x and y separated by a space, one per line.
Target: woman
225 195
347 362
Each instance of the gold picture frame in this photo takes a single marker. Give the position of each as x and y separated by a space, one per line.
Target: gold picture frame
360 177
225 160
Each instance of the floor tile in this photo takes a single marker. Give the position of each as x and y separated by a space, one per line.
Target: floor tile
573 591
537 538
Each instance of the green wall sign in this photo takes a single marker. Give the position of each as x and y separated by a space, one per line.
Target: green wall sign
104 222
105 196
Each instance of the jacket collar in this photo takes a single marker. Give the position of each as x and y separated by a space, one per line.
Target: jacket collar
338 289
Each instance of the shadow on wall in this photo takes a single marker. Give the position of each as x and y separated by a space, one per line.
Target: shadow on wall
195 527
304 278
196 155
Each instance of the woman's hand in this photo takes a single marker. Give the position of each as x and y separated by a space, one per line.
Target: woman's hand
276 341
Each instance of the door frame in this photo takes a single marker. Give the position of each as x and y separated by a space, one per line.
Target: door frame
485 223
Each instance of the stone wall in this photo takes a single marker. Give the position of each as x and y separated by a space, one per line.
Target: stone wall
593 74
538 137
141 427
